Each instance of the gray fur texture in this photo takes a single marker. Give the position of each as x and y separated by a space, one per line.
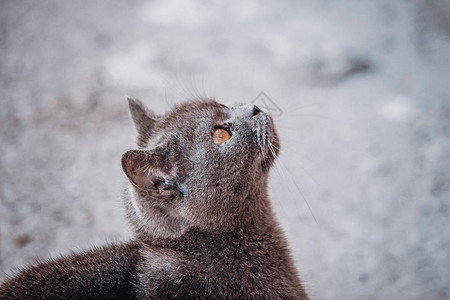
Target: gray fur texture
200 214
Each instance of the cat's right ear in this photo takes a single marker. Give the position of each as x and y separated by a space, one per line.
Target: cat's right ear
144 169
144 120
137 164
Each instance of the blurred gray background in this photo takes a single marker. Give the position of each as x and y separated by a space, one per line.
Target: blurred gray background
362 186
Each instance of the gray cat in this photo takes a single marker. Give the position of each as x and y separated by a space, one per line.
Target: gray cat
198 206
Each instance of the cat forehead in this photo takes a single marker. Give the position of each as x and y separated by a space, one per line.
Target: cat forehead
195 110
183 120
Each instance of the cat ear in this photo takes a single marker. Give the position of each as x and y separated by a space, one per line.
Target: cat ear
141 169
144 120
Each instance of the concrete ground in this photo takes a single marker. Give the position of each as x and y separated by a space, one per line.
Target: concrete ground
362 186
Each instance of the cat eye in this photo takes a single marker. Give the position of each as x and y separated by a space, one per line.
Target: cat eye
220 135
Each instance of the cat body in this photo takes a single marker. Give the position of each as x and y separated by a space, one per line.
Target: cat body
101 273
198 206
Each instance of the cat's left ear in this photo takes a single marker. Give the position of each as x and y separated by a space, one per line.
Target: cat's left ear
144 120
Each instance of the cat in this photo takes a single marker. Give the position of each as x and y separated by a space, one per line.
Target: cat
198 206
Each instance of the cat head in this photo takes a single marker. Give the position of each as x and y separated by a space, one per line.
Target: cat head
202 165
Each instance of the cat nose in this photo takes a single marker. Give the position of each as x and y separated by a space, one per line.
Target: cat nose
256 110
250 110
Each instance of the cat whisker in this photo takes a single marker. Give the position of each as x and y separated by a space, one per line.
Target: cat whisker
275 147
314 180
264 157
274 155
291 177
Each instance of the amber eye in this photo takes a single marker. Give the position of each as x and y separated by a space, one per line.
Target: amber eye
220 135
